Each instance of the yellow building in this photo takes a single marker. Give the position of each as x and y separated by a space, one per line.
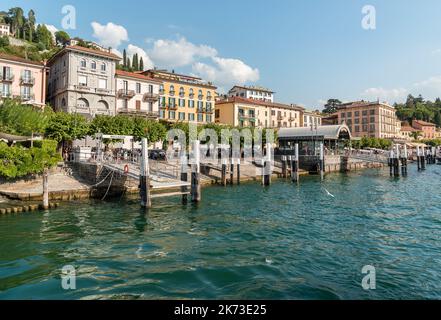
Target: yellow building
241 112
184 98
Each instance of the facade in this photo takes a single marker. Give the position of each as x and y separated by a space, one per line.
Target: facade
184 98
241 112
427 129
137 94
255 93
82 80
5 30
407 132
369 119
22 79
313 119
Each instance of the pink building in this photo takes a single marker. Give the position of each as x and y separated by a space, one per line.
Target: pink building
426 128
22 79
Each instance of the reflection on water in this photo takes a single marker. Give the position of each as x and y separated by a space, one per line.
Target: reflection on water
246 242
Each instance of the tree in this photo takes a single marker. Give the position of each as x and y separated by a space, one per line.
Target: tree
31 25
331 106
141 64
66 127
4 42
437 119
44 36
124 58
135 64
61 37
17 19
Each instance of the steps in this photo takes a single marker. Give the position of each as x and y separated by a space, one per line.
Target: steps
170 194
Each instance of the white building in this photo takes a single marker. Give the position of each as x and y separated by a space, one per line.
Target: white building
5 30
251 92
311 119
137 94
82 80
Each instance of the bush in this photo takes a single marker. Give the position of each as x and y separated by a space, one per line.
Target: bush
4 41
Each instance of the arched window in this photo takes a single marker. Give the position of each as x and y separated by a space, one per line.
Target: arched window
82 103
208 95
191 92
63 102
93 65
200 96
103 105
83 63
172 89
103 67
181 91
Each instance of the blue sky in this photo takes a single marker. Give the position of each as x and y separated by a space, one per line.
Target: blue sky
307 51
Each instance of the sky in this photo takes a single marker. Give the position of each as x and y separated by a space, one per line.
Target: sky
307 51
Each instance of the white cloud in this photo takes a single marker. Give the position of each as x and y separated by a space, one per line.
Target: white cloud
109 35
226 72
389 95
171 53
429 88
132 49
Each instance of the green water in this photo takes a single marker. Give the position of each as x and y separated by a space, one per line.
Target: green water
241 242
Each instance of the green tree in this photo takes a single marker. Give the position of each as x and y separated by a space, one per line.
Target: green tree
61 37
66 127
124 58
44 36
135 64
141 64
331 106
4 42
17 19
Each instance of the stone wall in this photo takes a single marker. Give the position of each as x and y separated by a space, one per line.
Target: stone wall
344 164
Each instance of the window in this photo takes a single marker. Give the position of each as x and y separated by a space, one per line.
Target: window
82 81
200 105
171 102
150 106
6 90
162 114
93 65
138 105
357 128
372 112
172 89
83 63
138 88
191 93
182 102
102 83
191 117
181 116
171 115
191 103
217 113
200 117
150 88
357 113
103 67
181 91
365 113
208 118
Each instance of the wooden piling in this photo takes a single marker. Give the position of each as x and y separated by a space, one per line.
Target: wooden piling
284 167
45 189
224 173
322 161
232 171
195 173
238 171
144 178
295 164
184 178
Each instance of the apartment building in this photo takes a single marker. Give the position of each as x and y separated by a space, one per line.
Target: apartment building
369 119
427 129
82 80
5 30
311 119
241 112
184 98
137 94
252 92
22 79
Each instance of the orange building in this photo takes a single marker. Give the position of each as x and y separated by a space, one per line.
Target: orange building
427 129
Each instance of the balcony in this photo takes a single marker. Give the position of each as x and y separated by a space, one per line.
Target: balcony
182 94
135 112
151 97
6 77
27 97
83 88
173 106
200 110
162 106
103 91
291 119
209 110
201 97
191 95
209 98
279 117
161 91
172 93
126 94
27 81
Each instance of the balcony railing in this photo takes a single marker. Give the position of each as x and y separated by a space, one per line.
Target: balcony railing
135 112
150 96
209 98
191 95
27 97
182 94
279 117
161 91
29 81
103 91
172 106
7 77
83 88
171 93
201 97
126 94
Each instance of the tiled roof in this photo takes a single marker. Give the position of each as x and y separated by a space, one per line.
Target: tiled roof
259 102
87 50
408 128
134 75
424 123
253 88
20 59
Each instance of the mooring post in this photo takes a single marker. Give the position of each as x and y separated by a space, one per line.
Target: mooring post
266 163
184 177
391 162
295 164
231 170
322 161
397 161
238 170
418 158
144 178
423 159
404 161
284 169
195 173
224 172
46 189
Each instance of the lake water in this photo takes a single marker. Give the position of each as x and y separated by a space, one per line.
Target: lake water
241 242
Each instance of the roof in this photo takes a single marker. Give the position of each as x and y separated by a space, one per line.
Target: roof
362 103
424 123
139 76
259 102
158 71
325 132
254 88
20 59
179 78
91 51
408 128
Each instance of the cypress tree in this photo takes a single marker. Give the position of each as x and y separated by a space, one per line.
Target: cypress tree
141 64
128 64
124 58
135 62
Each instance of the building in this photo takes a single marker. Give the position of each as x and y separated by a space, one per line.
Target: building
137 94
369 119
427 129
184 98
82 80
22 79
313 119
241 112
252 92
407 132
5 30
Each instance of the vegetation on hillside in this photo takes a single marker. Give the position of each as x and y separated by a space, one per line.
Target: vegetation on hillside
419 109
